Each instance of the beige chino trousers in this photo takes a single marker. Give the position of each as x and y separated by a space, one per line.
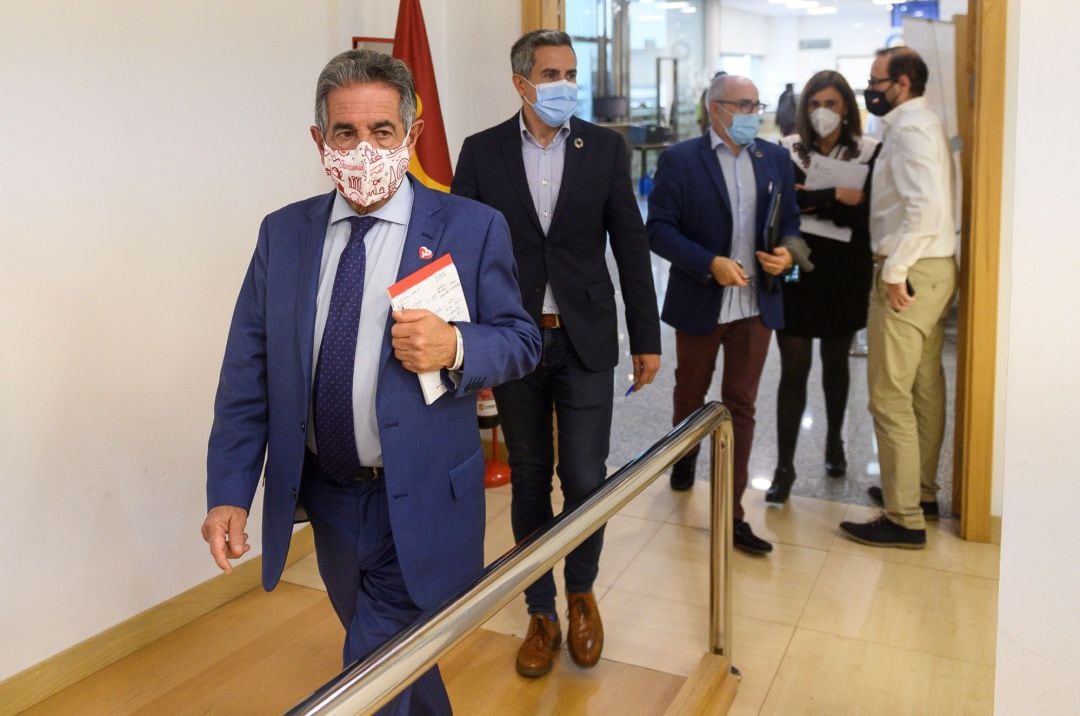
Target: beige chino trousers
906 383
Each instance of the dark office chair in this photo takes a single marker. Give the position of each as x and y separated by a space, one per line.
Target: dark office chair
611 109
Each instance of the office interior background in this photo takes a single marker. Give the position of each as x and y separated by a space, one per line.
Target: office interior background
143 142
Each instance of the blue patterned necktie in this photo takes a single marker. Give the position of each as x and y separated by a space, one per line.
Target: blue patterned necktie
335 432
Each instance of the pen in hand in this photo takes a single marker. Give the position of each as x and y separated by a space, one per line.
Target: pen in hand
629 390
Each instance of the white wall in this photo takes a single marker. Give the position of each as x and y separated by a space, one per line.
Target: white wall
140 145
470 41
743 33
1038 615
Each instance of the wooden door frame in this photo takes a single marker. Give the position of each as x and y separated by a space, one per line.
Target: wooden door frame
543 14
976 362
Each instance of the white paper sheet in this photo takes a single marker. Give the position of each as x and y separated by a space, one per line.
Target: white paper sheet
810 224
436 288
828 173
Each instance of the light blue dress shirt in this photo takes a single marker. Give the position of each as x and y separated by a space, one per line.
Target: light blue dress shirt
383 246
738 172
543 171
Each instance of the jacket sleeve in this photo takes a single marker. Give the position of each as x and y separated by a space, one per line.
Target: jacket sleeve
789 211
464 182
237 446
501 343
630 247
668 204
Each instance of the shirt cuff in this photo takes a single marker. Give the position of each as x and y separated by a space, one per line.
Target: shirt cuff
893 274
459 355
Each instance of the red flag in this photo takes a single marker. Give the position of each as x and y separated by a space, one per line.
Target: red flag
430 161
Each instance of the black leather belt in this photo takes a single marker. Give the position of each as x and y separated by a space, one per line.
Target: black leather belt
363 474
550 321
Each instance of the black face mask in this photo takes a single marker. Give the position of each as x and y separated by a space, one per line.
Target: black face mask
876 103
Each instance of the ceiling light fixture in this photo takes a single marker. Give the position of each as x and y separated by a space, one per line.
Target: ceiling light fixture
825 10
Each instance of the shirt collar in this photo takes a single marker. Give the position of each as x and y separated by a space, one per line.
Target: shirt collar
897 113
526 135
397 210
715 141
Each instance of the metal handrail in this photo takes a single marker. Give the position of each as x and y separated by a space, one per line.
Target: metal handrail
367 685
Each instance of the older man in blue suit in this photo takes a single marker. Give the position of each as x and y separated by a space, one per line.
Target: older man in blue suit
320 377
707 215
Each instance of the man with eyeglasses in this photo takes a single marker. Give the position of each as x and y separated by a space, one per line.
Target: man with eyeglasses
913 237
707 216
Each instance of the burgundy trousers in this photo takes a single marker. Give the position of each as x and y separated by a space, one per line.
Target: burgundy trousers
746 343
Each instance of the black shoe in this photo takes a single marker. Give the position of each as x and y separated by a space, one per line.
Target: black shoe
747 541
929 509
682 473
780 488
883 532
835 460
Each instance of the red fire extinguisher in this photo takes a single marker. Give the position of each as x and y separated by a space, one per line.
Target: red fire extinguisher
497 473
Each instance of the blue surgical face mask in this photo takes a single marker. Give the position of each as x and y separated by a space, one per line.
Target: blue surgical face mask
555 101
744 127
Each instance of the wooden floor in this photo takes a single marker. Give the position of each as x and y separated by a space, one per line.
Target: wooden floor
822 626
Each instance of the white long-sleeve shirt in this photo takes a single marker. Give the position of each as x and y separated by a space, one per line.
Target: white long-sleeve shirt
911 201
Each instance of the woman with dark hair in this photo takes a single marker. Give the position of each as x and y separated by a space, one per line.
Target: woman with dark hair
829 303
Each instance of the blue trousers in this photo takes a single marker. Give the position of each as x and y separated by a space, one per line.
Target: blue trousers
358 563
582 400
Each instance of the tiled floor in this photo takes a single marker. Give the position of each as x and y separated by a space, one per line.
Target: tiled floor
644 417
821 626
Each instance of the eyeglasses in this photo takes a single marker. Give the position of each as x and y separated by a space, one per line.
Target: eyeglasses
744 106
874 82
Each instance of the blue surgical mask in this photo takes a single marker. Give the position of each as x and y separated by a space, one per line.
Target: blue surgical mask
744 127
555 101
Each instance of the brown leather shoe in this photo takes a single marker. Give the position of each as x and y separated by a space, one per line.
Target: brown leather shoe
584 630
537 653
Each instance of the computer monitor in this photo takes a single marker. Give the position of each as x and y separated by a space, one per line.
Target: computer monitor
610 109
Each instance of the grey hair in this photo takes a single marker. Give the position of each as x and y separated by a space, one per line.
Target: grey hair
361 67
717 87
523 53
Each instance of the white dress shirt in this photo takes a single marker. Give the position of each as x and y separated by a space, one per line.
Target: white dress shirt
738 170
543 172
383 245
911 200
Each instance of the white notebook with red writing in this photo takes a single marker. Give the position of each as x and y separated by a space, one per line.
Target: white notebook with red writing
436 288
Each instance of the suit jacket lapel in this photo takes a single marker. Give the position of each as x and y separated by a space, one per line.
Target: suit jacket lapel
312 237
515 167
712 166
573 157
425 230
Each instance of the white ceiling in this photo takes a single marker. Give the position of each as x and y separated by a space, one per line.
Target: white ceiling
846 7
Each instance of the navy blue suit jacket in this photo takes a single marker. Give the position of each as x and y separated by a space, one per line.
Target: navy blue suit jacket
595 208
690 222
434 466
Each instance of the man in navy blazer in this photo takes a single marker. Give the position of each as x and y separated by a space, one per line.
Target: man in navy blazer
707 216
564 187
398 525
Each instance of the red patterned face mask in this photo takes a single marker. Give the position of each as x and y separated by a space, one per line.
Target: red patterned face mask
366 175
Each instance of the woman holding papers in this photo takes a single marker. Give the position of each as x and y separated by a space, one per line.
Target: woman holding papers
833 163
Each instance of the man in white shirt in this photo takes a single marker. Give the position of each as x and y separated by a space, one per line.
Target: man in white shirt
913 238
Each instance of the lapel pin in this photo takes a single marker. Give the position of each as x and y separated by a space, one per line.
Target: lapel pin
579 143
425 253
758 154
